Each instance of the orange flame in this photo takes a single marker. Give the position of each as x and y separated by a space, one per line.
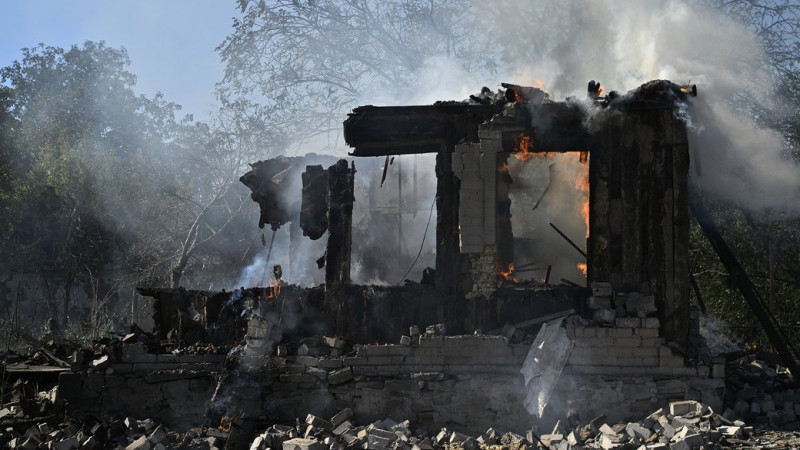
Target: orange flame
582 183
507 275
523 148
275 289
503 168
582 267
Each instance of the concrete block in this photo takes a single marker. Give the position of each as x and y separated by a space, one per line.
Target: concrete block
139 444
602 289
320 374
405 340
304 444
628 322
647 332
354 361
632 341
605 316
330 363
635 430
319 422
333 342
620 332
157 436
341 417
599 303
641 306
340 376
650 322
66 444
342 428
308 361
684 407
384 360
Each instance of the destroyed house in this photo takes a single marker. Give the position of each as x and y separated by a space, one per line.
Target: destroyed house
561 236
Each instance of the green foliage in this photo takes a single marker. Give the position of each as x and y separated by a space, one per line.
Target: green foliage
104 188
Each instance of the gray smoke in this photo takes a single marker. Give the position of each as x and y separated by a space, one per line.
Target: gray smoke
562 44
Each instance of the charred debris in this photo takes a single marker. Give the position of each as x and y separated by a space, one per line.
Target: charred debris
557 289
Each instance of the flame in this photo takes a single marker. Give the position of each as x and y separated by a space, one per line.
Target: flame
507 275
525 79
503 168
523 144
275 289
225 424
582 267
519 98
523 148
582 184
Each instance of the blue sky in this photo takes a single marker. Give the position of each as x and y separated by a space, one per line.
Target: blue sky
170 42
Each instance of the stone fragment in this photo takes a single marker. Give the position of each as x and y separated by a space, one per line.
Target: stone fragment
650 322
66 444
684 407
319 422
604 316
90 443
457 437
599 303
602 289
157 436
101 361
628 322
635 430
342 428
607 430
139 444
304 444
413 330
334 342
340 417
641 306
405 340
340 376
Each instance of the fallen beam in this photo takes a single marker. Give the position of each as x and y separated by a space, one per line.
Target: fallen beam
742 282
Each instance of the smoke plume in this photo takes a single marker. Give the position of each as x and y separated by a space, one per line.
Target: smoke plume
564 44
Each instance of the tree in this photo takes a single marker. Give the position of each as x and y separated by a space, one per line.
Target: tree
103 187
298 67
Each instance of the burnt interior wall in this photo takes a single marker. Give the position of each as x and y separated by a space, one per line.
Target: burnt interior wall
639 225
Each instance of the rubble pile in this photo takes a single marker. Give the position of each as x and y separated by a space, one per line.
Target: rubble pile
760 393
108 433
685 425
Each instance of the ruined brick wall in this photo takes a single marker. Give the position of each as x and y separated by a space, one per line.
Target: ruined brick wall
469 383
466 383
173 389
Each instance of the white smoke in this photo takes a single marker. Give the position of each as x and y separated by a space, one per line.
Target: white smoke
562 44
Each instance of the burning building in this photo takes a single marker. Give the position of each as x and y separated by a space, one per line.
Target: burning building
561 237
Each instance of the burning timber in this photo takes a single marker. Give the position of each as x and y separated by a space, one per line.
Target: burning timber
558 289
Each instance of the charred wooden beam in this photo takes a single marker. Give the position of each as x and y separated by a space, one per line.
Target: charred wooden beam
341 178
314 209
399 130
274 184
742 282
